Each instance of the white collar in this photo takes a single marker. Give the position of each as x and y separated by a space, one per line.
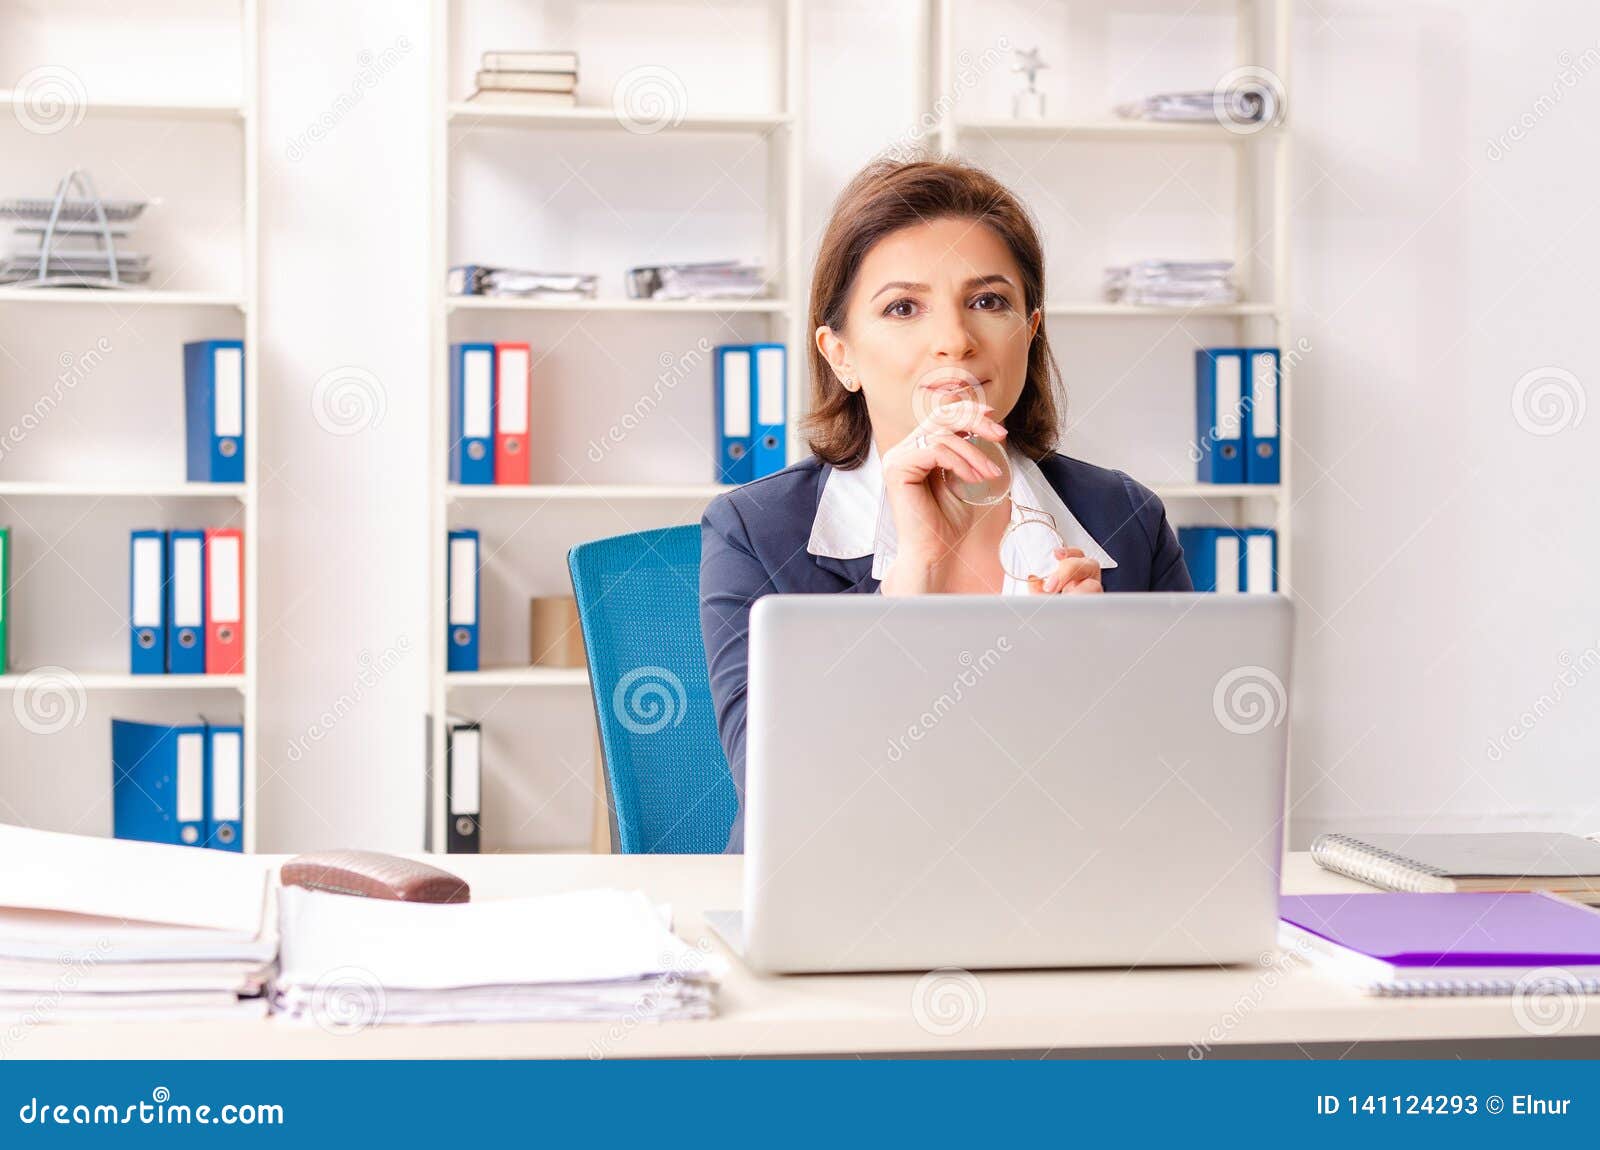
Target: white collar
853 518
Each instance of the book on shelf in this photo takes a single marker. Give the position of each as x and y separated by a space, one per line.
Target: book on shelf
530 61
524 99
528 81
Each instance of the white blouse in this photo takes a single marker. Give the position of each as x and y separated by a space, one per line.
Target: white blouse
854 519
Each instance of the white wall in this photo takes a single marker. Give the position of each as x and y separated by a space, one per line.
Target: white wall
1443 551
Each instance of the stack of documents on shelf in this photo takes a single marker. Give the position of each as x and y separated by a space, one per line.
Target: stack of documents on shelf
528 79
477 279
1493 861
1172 283
1447 944
1249 102
81 247
597 955
94 928
721 279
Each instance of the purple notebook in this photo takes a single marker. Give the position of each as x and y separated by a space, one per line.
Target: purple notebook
1430 930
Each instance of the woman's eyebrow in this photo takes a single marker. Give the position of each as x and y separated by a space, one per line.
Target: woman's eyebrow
975 281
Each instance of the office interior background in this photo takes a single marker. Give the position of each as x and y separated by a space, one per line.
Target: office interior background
1438 173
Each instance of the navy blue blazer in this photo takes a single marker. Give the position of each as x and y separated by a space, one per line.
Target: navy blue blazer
753 543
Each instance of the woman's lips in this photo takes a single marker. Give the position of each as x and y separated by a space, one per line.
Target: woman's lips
954 385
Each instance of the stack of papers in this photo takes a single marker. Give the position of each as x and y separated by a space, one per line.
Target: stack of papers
477 279
722 279
110 929
601 955
1249 102
1172 283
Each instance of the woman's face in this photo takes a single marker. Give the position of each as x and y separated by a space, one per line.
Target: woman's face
934 304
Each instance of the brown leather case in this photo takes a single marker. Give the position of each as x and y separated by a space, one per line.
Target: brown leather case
373 874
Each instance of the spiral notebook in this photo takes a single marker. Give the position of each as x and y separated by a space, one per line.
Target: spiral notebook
1495 861
1446 944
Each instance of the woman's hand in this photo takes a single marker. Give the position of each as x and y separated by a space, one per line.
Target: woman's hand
1074 575
929 520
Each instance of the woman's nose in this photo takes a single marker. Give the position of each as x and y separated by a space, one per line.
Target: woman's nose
951 337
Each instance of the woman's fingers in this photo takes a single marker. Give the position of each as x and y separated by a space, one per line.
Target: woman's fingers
946 454
1070 571
963 416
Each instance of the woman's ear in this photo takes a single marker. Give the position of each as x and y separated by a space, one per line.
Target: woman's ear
1034 321
838 357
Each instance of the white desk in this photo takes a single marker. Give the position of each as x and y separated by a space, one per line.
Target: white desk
1061 1012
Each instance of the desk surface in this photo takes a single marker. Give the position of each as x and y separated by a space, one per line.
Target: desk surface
1279 1002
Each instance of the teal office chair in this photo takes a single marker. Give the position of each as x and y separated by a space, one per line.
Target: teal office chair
668 788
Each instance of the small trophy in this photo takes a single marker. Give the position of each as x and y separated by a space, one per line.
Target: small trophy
1028 104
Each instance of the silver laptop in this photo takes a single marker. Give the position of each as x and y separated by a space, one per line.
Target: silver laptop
986 781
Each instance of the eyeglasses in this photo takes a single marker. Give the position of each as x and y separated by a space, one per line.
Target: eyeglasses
1028 546
1027 549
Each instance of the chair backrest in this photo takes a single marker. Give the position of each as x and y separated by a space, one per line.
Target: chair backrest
638 595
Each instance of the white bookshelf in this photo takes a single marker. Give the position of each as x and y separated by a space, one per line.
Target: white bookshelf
188 299
1261 180
771 139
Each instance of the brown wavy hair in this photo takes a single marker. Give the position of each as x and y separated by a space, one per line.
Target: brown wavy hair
883 197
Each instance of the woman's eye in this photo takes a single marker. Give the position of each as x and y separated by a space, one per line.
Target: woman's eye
998 301
894 309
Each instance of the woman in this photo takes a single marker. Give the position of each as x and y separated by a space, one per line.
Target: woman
933 421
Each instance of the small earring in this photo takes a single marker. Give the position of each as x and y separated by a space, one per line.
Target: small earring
849 383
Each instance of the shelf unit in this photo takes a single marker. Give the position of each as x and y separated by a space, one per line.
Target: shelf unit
953 130
780 131
245 115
